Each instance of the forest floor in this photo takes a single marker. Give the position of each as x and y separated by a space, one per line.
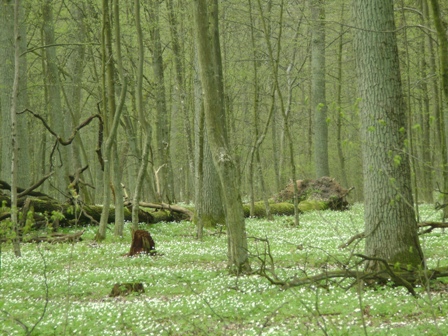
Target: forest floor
189 292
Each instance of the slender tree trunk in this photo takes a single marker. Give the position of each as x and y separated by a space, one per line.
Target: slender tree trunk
74 97
7 52
146 127
441 29
390 224
439 138
111 116
199 158
59 121
255 151
339 110
118 160
163 162
318 100
274 63
181 92
14 136
427 183
222 158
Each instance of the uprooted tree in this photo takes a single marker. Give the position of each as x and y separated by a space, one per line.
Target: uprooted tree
322 193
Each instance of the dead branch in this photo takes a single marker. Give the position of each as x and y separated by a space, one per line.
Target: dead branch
75 180
100 140
432 226
74 132
60 140
398 280
385 274
35 185
358 236
58 237
53 238
29 191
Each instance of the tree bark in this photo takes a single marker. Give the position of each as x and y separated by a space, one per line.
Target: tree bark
162 128
58 119
7 42
14 136
209 208
318 100
238 261
390 224
441 29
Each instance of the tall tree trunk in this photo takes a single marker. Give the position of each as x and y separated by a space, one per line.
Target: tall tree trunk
318 100
7 51
111 115
163 162
59 121
255 150
441 29
225 164
74 97
339 110
117 159
425 183
274 64
181 93
390 224
209 209
14 135
139 107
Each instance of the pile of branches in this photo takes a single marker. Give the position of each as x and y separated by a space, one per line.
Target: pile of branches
324 190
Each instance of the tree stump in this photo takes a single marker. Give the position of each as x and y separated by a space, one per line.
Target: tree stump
142 243
124 289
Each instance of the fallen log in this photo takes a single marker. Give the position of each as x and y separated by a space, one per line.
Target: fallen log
51 238
185 213
47 210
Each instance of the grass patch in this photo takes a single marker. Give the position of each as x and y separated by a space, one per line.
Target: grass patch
189 292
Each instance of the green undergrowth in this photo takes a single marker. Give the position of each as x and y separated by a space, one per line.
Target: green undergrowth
189 292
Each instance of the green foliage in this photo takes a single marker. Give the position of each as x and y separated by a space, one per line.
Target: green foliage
57 215
397 160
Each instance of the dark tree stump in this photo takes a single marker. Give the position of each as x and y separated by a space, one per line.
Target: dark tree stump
142 243
124 289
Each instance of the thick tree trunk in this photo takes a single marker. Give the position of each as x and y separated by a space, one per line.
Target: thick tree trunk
391 228
209 208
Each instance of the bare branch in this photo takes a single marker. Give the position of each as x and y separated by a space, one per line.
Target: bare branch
35 185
